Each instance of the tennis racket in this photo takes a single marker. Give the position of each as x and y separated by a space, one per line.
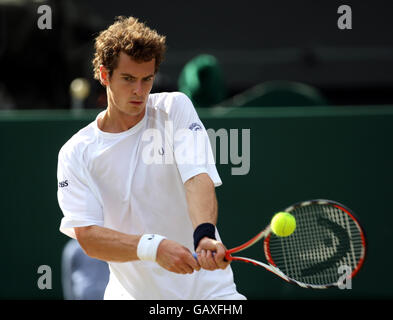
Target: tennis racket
327 236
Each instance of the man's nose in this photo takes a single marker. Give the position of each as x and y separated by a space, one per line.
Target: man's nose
137 89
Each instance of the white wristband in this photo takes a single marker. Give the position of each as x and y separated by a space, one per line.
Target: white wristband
148 245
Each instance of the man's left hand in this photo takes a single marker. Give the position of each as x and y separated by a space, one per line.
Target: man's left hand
211 254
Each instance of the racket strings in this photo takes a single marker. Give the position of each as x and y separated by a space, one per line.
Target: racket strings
325 239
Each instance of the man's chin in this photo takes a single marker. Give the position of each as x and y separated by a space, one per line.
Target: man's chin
134 110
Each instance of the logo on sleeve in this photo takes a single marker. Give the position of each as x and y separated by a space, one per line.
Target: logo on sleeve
195 127
63 184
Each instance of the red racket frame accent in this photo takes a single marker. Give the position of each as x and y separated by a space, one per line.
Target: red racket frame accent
247 244
266 246
361 260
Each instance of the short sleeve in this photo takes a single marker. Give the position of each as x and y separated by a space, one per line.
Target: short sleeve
76 198
192 148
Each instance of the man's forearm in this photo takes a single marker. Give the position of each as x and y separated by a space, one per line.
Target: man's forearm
202 207
107 244
201 200
110 245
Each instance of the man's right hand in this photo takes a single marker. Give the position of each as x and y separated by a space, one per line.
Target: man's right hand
174 257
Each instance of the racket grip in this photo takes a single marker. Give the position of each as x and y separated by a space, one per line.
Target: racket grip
196 256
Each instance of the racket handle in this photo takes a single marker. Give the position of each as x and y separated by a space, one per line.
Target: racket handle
196 256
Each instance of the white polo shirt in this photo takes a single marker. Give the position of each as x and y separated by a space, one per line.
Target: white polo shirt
132 182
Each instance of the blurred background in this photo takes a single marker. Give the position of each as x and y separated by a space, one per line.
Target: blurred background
318 101
256 42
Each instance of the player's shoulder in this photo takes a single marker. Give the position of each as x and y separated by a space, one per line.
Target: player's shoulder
169 102
77 144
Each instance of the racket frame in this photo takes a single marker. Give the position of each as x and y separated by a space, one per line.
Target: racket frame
267 233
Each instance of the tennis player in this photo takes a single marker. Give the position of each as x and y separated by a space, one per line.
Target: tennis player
145 218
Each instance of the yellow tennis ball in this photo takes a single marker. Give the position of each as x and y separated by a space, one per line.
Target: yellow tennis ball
283 224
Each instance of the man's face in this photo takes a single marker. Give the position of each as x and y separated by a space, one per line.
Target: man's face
130 84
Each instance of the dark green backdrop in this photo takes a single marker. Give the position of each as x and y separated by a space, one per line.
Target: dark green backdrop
339 153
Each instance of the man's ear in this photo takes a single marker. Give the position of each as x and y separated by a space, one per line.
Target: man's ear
104 75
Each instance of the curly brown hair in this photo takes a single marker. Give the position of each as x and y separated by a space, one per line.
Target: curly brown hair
134 38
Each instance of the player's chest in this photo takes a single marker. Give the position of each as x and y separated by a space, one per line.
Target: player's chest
135 171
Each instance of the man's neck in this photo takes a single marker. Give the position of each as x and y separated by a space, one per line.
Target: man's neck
115 121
